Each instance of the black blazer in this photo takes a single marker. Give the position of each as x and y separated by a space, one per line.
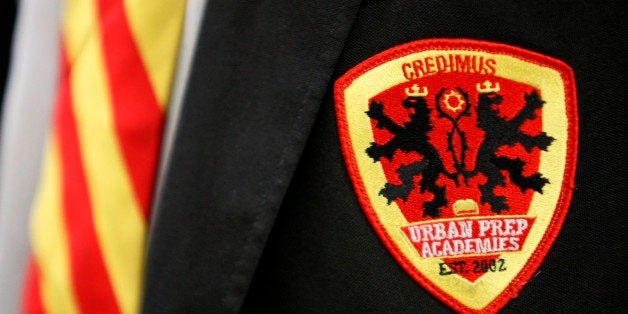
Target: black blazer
258 212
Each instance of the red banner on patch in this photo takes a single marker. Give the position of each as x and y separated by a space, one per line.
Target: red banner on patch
450 238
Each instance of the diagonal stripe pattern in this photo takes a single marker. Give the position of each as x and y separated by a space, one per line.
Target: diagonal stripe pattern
90 214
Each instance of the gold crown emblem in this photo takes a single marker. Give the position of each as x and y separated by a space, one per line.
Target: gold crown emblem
466 207
488 87
416 91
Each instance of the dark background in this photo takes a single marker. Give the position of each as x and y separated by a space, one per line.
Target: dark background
7 19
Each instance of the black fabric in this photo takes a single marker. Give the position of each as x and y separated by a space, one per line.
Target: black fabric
323 256
253 95
7 19
258 78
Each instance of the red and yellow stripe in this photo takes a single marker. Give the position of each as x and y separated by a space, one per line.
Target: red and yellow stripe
90 214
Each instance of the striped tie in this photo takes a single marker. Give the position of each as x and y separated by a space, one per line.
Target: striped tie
89 220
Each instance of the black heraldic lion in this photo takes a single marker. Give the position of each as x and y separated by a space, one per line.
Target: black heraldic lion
500 132
413 137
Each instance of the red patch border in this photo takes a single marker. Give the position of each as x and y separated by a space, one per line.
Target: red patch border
562 206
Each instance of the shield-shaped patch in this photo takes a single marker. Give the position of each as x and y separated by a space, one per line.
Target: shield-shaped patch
462 154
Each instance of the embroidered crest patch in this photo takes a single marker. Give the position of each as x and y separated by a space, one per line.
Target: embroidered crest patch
462 154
